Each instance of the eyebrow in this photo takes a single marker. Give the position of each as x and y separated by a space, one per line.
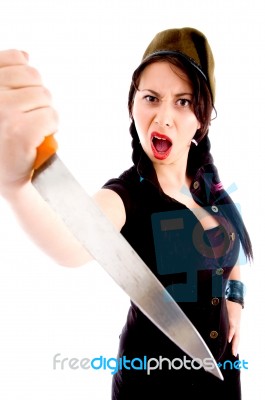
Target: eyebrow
158 95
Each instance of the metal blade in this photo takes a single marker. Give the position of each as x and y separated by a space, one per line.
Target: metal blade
105 243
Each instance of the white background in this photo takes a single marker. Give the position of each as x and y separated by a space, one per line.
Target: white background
86 52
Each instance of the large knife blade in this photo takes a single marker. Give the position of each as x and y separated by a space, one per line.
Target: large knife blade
105 243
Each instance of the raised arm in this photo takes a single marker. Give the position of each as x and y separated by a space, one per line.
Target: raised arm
26 117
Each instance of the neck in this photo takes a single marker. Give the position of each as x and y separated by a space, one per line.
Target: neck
172 176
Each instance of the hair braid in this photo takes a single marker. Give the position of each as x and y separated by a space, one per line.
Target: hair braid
200 156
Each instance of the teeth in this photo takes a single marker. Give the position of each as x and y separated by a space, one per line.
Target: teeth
159 138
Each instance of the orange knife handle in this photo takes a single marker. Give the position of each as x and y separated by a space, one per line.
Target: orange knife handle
45 150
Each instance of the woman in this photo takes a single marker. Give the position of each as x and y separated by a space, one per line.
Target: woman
170 206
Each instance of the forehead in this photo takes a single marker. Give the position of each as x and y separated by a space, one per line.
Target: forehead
164 74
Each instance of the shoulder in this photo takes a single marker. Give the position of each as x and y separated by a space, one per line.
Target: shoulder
115 197
126 185
126 179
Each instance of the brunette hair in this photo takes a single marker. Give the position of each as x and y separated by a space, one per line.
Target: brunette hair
200 155
202 106
202 99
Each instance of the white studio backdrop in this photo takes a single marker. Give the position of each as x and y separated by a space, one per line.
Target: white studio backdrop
86 52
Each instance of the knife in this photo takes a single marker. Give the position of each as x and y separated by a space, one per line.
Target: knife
110 249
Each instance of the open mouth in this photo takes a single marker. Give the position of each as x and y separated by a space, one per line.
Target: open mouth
161 145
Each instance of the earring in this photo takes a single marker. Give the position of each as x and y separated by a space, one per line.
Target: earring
194 141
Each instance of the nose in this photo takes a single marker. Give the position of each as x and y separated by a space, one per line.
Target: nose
166 124
164 117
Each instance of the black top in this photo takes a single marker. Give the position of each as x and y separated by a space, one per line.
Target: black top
193 265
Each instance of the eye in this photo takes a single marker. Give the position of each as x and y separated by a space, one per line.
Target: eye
184 103
151 99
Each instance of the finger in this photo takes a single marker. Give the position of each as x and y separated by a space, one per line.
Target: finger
13 57
231 334
235 345
25 99
19 76
39 124
26 131
21 136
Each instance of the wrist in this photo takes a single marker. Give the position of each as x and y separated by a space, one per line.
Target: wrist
235 291
16 193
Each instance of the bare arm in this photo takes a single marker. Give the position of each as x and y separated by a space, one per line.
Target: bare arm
235 273
234 315
26 117
47 230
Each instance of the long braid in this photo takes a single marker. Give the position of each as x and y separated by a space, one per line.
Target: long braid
198 156
201 157
136 145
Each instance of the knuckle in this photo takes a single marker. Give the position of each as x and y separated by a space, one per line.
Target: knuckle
38 96
55 119
56 115
12 57
46 92
51 116
15 54
51 119
33 74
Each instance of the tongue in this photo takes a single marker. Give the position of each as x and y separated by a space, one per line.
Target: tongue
161 145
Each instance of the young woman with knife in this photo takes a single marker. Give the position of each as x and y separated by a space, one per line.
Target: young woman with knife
170 206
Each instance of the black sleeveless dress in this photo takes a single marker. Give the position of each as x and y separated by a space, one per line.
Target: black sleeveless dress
194 266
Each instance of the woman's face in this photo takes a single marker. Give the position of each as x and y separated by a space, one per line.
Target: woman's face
163 113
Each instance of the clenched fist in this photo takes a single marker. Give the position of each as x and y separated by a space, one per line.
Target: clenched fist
26 117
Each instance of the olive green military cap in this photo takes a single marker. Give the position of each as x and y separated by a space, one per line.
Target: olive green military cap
190 44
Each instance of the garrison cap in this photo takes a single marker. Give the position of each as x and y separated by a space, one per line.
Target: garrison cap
190 44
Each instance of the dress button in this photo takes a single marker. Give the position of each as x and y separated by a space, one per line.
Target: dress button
196 185
219 271
215 301
214 209
213 334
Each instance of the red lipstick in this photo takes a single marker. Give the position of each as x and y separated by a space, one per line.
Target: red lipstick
161 145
